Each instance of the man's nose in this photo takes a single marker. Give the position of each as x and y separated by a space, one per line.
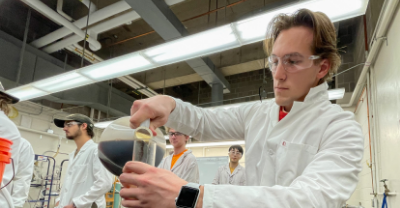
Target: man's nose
280 72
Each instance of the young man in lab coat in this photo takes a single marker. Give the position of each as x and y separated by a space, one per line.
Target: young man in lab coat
301 150
16 192
86 181
232 173
181 161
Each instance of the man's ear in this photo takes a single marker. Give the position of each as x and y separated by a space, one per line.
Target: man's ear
84 126
325 66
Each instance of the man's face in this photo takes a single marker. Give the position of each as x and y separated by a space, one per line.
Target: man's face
72 130
294 86
235 155
177 139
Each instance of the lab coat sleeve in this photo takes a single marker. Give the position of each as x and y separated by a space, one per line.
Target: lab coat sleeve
216 179
207 124
102 184
192 172
327 181
22 180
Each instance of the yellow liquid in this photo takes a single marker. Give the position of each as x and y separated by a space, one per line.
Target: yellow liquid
143 134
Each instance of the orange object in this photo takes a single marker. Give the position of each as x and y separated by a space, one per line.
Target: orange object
176 157
5 155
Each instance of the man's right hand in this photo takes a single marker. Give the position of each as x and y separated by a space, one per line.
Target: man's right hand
57 204
157 109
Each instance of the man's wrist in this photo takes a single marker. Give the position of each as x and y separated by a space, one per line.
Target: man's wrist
200 199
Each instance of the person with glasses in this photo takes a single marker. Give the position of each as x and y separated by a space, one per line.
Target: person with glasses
87 180
232 173
301 150
181 161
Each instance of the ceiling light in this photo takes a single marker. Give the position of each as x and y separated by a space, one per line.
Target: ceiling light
205 43
336 94
26 92
254 29
62 82
121 66
210 144
103 125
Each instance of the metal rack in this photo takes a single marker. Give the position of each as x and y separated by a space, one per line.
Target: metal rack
48 181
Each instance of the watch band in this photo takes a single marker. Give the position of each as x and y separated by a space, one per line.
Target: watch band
193 185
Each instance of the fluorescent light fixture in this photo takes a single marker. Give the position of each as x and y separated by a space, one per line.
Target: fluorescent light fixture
26 92
336 94
61 82
207 42
219 39
103 125
210 144
121 66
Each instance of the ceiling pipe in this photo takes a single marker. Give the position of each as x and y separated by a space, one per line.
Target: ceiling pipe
93 7
386 16
94 44
60 11
96 17
93 31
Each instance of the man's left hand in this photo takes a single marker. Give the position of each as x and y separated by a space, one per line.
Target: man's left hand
69 206
149 187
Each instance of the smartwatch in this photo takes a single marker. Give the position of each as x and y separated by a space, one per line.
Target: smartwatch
188 196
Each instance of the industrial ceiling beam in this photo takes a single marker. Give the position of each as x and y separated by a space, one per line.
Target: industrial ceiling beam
160 17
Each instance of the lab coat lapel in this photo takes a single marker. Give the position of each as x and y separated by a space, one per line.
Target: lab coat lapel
180 160
73 158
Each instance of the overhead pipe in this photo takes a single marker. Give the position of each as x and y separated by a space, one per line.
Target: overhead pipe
130 81
94 31
96 17
61 12
44 8
386 16
93 7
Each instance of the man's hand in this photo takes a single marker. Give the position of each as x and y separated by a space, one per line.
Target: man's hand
69 206
57 204
157 109
154 187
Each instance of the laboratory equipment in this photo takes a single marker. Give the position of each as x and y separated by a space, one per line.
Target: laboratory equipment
120 144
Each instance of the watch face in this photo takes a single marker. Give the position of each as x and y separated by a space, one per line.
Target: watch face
187 197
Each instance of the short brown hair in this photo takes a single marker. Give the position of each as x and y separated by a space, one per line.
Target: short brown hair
5 101
324 41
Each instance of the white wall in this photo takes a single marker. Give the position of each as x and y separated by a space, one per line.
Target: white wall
386 91
364 186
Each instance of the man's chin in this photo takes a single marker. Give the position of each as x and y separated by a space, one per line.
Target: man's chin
70 138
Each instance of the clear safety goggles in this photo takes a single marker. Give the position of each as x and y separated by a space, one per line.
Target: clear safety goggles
69 124
235 153
291 62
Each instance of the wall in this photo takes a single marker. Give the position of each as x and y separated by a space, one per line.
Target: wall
385 90
364 186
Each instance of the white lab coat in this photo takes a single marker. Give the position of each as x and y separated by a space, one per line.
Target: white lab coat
19 187
224 176
8 130
311 158
186 166
86 181
5 198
